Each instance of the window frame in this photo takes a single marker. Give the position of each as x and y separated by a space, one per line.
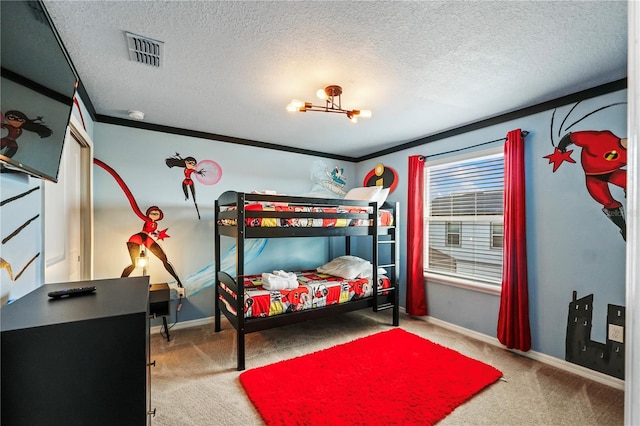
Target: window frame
475 284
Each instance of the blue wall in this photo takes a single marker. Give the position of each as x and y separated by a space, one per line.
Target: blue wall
23 251
138 156
27 245
571 245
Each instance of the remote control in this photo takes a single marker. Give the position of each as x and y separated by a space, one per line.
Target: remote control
77 291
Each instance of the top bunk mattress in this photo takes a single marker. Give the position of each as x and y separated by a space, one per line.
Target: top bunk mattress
294 215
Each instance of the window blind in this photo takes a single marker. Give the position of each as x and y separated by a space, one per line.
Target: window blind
466 197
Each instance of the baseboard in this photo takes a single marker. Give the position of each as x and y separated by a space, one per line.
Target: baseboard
561 364
185 324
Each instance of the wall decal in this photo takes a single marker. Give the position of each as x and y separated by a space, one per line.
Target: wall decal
148 236
207 172
603 158
20 228
7 266
382 175
4 264
15 122
17 277
606 357
327 183
17 197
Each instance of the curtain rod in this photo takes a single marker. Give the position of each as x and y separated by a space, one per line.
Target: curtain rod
524 134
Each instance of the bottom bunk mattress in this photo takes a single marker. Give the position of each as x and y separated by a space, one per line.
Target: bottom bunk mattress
314 290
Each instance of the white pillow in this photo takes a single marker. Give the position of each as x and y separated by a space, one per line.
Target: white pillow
367 271
349 267
365 193
382 196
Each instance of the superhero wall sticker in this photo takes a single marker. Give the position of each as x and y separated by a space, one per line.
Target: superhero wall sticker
148 237
383 176
603 158
206 172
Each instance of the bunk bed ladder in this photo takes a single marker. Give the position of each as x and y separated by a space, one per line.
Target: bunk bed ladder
394 247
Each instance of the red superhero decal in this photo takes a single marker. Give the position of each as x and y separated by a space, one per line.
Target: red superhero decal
207 172
146 238
603 158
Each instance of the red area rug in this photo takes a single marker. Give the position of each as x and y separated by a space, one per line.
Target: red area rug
392 377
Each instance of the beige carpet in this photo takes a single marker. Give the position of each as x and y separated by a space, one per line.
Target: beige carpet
195 381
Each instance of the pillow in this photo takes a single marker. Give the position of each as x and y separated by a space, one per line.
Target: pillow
348 267
365 193
382 196
367 271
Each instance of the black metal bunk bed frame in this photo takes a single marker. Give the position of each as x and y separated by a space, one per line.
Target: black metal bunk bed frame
388 300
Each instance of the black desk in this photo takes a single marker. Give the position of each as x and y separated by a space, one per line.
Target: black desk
80 360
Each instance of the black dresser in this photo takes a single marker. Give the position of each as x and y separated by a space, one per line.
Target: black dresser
82 360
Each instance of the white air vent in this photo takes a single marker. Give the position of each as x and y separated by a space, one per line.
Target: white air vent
145 50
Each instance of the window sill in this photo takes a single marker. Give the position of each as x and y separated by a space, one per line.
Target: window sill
480 286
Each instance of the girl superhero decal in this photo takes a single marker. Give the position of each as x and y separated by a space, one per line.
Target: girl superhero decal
146 238
603 159
207 172
15 122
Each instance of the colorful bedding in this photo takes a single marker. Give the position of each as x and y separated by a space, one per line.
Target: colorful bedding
314 290
385 218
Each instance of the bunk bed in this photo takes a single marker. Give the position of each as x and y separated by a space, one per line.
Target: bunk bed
243 216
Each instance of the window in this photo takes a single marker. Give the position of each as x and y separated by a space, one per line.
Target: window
497 235
453 234
464 218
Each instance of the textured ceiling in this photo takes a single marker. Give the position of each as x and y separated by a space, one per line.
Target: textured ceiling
231 67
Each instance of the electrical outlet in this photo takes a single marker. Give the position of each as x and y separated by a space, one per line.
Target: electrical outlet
181 293
616 333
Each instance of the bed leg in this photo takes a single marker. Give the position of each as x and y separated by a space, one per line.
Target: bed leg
240 335
216 310
217 326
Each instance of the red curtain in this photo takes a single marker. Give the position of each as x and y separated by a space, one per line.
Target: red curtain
513 318
416 295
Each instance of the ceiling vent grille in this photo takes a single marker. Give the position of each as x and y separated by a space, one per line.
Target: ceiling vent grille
145 50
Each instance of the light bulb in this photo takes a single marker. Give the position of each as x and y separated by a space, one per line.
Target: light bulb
354 119
294 105
321 94
365 113
141 262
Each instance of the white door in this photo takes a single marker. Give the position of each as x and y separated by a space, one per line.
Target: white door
63 218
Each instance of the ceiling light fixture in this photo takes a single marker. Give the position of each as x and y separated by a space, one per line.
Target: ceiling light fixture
331 96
